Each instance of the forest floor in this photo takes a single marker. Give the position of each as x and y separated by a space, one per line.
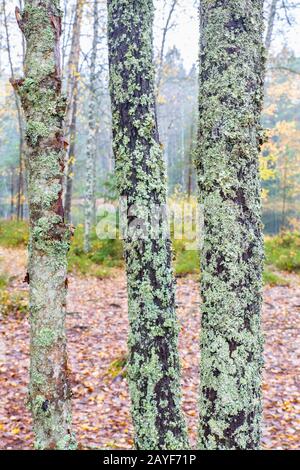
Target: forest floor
97 330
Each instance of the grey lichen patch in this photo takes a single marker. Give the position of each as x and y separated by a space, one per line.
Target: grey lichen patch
153 369
40 406
230 136
44 109
36 130
37 378
67 442
46 337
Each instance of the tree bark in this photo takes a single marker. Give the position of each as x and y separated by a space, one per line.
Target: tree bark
71 114
44 109
230 137
153 370
91 145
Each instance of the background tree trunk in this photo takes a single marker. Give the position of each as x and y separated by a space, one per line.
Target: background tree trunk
12 192
230 137
168 25
270 25
91 146
153 370
71 114
44 109
20 195
71 157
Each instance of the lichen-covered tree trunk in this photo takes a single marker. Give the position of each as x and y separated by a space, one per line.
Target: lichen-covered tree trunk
44 109
230 136
153 370
91 145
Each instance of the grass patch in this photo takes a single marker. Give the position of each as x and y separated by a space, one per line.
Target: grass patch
12 303
13 234
185 261
117 368
3 281
15 304
272 279
282 253
105 255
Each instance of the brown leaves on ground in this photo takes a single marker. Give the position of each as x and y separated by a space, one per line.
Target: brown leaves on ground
97 331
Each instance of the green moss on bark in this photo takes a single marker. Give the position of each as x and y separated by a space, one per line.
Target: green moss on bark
153 370
230 136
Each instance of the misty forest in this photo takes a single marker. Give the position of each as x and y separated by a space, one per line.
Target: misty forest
149 225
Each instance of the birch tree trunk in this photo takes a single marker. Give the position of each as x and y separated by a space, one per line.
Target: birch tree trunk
91 145
44 109
153 370
71 114
230 137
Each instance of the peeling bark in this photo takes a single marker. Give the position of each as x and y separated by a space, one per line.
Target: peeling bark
44 109
230 137
153 370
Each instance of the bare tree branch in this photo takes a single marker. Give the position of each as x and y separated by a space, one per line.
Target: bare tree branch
284 68
167 27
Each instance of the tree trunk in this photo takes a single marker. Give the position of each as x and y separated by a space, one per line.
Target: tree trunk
153 370
71 114
44 108
190 165
284 193
71 159
230 137
12 192
20 196
270 26
91 145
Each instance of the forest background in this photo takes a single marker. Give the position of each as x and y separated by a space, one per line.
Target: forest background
176 40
